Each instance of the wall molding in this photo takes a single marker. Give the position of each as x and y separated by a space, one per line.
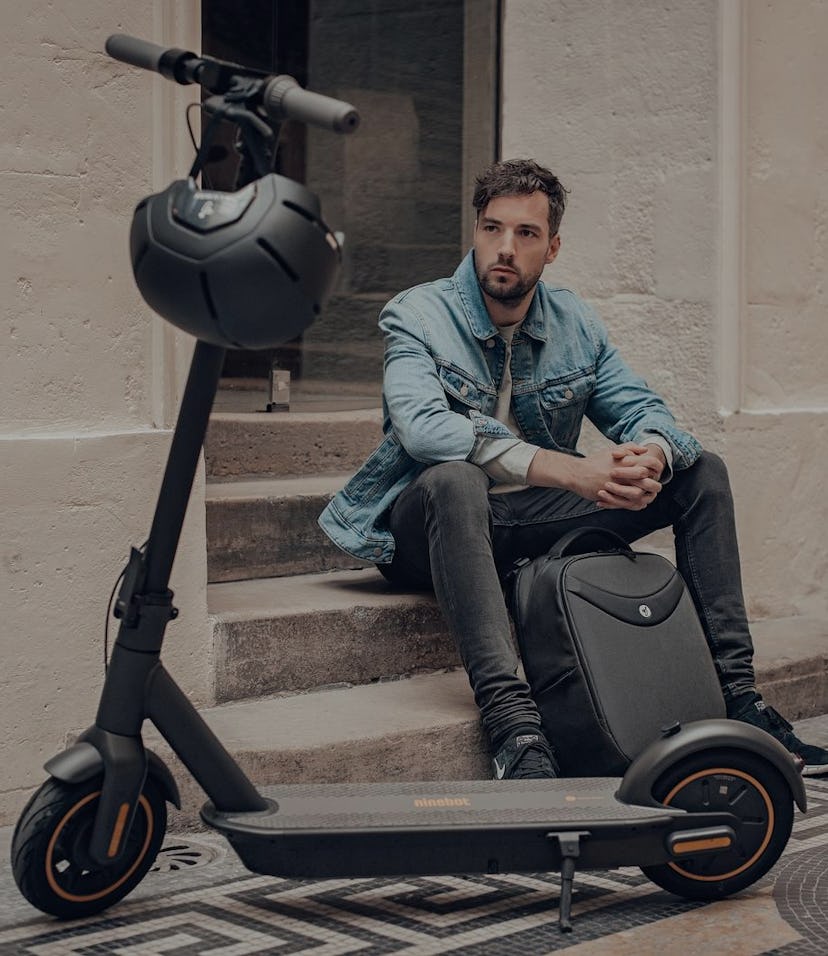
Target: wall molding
173 24
730 312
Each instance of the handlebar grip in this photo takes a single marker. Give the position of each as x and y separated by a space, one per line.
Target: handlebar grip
136 52
284 99
172 63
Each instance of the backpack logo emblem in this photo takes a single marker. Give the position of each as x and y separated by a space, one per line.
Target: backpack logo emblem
644 610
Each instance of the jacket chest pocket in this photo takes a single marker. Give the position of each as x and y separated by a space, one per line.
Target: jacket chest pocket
562 406
462 392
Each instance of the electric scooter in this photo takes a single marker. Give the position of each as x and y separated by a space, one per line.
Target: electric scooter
705 810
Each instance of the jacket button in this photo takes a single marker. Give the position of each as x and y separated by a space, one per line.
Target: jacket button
464 390
569 393
377 551
490 343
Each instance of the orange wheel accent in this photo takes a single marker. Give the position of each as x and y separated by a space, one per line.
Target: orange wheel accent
71 897
695 846
118 831
730 772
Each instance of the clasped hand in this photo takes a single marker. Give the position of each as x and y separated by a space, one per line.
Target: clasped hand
624 476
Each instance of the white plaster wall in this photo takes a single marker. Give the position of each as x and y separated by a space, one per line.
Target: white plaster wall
620 99
778 440
713 289
88 376
786 205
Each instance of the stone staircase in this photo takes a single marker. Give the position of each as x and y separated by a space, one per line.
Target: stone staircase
322 673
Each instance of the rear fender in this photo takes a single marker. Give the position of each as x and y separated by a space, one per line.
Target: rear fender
642 774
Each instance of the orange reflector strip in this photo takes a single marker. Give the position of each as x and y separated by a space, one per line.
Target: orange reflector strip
695 846
118 831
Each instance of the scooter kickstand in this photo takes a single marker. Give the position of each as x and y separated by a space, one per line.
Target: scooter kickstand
570 848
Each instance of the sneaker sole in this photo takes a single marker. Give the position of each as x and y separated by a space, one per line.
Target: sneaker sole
815 770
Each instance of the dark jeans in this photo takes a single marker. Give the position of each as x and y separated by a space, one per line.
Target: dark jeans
452 535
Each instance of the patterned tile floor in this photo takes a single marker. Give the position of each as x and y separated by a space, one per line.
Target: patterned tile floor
199 900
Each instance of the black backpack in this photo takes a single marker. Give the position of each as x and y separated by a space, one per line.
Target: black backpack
612 648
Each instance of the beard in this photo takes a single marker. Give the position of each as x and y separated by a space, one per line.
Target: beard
508 289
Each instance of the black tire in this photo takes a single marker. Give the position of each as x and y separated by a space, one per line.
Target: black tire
49 855
736 782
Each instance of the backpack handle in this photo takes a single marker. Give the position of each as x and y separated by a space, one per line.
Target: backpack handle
584 540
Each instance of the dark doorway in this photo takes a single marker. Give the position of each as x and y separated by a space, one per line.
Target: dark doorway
424 77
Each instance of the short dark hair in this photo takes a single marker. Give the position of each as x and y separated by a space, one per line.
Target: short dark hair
521 177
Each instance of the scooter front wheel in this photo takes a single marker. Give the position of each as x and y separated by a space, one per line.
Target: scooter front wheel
731 781
50 849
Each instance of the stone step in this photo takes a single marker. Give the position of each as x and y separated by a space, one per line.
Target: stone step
266 527
252 394
290 444
281 635
791 662
427 727
278 635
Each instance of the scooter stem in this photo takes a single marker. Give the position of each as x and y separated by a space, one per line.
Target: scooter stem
188 438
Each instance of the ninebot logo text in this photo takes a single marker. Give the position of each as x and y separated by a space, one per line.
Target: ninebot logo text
442 802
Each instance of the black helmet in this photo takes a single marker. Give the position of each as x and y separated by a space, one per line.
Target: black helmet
249 269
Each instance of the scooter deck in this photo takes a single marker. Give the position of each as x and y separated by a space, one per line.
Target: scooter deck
338 830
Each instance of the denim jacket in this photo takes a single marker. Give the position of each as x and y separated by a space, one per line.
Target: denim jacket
443 365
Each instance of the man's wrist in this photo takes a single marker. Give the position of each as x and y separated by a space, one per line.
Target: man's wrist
658 451
652 441
552 469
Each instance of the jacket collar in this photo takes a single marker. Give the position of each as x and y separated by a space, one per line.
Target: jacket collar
465 281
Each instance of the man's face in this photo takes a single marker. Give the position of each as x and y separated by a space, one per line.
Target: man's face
512 245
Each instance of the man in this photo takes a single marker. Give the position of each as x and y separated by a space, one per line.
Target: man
488 376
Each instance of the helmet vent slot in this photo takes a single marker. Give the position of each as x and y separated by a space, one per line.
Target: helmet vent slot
275 255
208 298
302 212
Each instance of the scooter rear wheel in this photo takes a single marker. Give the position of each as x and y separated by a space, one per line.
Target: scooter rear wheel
735 782
50 849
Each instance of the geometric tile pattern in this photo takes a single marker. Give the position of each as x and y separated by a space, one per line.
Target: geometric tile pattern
460 916
801 877
426 915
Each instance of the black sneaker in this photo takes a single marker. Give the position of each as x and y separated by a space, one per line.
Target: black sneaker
525 756
813 759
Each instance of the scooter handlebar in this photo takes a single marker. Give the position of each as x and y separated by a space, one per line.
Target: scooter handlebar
283 98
